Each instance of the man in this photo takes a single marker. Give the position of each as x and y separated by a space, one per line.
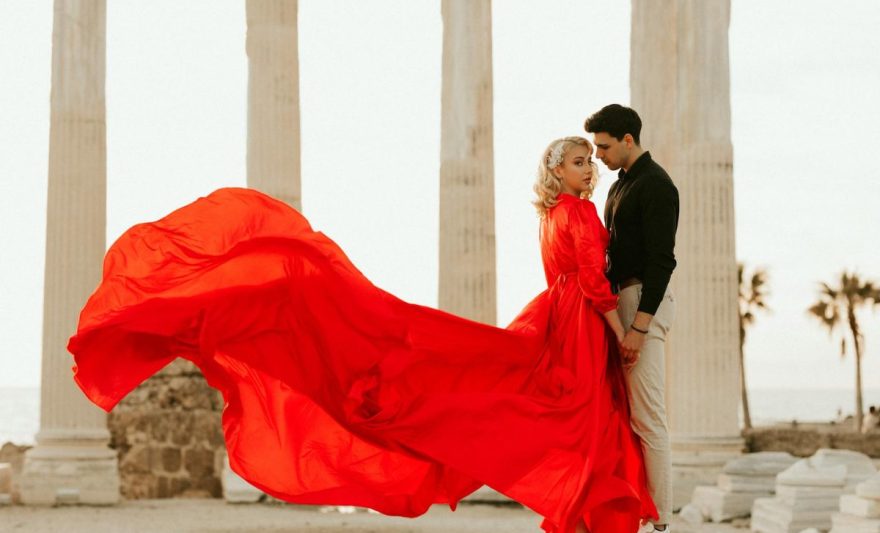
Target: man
870 421
641 215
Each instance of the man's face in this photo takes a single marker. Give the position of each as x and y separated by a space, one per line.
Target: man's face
611 151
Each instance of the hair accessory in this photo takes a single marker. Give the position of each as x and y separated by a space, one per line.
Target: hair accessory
554 158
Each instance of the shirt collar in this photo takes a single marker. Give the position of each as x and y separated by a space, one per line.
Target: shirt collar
634 169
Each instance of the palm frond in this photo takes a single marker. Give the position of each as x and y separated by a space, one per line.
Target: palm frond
827 314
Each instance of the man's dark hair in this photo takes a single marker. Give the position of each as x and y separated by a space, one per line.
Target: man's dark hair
615 120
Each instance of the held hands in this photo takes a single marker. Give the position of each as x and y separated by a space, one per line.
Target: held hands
630 346
632 343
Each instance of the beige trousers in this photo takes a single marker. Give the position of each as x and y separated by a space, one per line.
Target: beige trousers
647 396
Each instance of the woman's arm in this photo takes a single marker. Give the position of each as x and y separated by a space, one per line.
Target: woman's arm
616 325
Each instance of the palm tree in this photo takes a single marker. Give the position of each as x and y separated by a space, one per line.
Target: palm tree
752 295
838 306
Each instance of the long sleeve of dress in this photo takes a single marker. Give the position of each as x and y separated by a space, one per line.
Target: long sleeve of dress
590 251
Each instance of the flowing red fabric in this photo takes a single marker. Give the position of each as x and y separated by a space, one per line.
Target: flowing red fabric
337 392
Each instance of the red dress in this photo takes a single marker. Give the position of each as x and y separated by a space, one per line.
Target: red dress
340 393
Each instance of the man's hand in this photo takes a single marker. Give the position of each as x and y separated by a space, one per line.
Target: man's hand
633 341
630 347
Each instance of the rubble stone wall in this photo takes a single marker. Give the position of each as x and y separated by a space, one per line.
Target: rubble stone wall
805 440
169 437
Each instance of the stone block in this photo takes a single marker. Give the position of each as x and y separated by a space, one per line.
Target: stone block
809 498
171 459
686 478
859 466
236 489
739 483
870 488
861 507
62 475
761 464
181 427
206 487
199 462
806 473
769 515
207 429
846 523
170 486
691 514
719 505
138 460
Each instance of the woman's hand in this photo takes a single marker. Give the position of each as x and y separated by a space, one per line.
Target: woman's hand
619 333
616 325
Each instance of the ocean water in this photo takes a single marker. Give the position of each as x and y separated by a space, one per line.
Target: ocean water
19 414
20 408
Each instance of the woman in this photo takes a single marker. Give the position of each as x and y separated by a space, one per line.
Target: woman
339 393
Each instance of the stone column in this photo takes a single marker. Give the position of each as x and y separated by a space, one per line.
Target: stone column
680 85
71 462
273 146
467 195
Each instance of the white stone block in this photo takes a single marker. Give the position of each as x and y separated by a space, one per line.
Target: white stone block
808 474
861 507
859 467
236 489
847 523
810 497
761 464
691 514
855 461
769 515
720 506
63 475
739 483
870 488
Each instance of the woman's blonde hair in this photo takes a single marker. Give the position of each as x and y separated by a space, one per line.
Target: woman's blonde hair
547 185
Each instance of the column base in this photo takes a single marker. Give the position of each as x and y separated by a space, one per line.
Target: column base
70 474
698 461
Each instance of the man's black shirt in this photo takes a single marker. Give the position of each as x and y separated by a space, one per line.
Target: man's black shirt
641 215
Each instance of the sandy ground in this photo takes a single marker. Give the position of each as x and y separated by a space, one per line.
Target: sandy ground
215 516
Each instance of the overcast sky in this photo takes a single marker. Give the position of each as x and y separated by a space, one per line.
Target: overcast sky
805 85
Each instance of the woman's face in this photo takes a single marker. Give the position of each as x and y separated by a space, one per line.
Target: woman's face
576 170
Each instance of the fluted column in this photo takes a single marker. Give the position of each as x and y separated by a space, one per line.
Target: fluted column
71 462
467 195
680 85
273 149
